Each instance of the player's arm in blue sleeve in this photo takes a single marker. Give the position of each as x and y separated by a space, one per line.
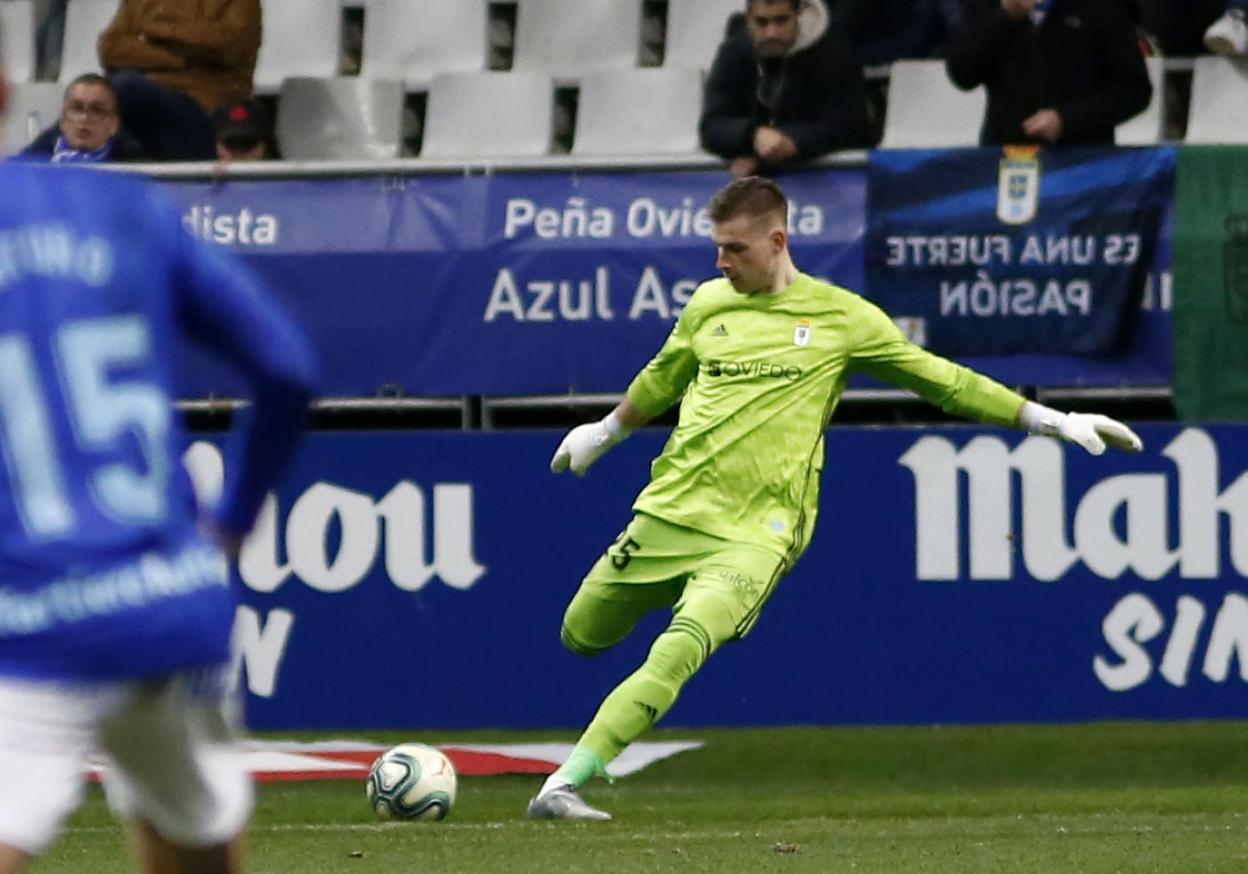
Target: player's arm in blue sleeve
221 306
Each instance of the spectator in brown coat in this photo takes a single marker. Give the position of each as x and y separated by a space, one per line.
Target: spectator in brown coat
174 63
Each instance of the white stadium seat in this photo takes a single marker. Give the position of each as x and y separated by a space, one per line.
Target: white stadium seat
1146 128
340 119
926 110
414 41
489 115
1219 106
652 111
569 38
695 28
33 106
85 20
301 38
17 22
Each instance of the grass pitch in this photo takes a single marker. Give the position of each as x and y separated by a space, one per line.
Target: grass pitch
1086 798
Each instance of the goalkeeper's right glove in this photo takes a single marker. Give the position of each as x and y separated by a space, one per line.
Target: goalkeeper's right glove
1092 431
585 444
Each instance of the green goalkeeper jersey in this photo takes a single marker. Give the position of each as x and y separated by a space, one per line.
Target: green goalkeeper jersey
761 375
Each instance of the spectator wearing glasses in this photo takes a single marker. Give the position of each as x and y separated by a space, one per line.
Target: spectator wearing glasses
89 130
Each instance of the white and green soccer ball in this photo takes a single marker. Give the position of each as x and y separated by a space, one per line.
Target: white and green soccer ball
412 781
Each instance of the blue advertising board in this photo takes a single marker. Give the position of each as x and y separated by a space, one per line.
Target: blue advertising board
957 575
509 284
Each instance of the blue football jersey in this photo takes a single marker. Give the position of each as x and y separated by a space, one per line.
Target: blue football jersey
103 571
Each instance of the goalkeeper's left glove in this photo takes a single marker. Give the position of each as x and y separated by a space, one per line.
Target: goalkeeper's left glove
1092 431
585 444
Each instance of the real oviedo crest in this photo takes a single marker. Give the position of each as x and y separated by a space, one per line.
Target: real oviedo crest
801 334
1018 185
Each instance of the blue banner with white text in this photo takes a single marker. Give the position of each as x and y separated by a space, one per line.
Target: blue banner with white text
540 283
1016 250
957 575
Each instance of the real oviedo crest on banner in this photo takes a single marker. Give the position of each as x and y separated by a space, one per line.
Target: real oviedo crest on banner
1015 250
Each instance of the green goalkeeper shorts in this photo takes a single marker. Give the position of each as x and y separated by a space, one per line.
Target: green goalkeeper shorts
652 565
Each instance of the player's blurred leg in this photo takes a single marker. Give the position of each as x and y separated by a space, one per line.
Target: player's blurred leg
159 856
177 775
45 738
12 860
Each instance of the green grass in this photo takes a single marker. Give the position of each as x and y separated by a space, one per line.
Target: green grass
1088 798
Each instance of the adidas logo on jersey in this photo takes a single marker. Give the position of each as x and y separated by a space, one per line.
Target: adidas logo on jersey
720 331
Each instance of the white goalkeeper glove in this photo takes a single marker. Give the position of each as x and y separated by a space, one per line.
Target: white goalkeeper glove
1092 431
585 444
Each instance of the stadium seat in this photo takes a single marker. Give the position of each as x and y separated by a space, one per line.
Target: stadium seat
341 119
302 38
84 21
1219 107
569 38
17 23
650 111
1146 129
926 110
412 42
695 28
489 115
33 106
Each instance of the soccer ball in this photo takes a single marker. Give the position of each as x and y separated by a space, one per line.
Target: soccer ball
411 781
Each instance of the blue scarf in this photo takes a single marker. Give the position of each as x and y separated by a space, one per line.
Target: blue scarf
63 154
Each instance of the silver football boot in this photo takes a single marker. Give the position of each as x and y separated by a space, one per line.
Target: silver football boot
562 802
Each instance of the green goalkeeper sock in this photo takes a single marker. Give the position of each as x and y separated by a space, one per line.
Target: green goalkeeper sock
582 765
636 704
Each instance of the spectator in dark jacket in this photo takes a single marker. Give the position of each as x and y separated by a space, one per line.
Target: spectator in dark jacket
1057 71
89 130
785 87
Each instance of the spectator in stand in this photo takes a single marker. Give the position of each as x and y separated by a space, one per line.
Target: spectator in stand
1229 34
884 31
1058 72
89 130
784 87
173 64
243 132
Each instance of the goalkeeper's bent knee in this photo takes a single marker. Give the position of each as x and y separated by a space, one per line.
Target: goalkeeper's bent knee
580 648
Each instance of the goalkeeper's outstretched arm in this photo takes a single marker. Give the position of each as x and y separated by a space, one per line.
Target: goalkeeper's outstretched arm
585 444
1092 431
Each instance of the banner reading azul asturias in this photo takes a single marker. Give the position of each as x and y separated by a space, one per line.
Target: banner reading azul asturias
988 251
957 575
518 283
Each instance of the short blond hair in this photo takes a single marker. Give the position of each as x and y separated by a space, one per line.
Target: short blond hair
752 196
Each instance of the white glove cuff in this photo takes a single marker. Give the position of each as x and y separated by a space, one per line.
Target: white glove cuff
615 427
1039 419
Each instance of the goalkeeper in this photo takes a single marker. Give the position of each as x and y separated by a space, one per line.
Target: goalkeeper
760 357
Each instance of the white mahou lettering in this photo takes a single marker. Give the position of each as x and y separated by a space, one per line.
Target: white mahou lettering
396 525
259 648
1142 547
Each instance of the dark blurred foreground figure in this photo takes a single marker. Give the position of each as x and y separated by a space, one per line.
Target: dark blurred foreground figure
115 601
1058 72
784 87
